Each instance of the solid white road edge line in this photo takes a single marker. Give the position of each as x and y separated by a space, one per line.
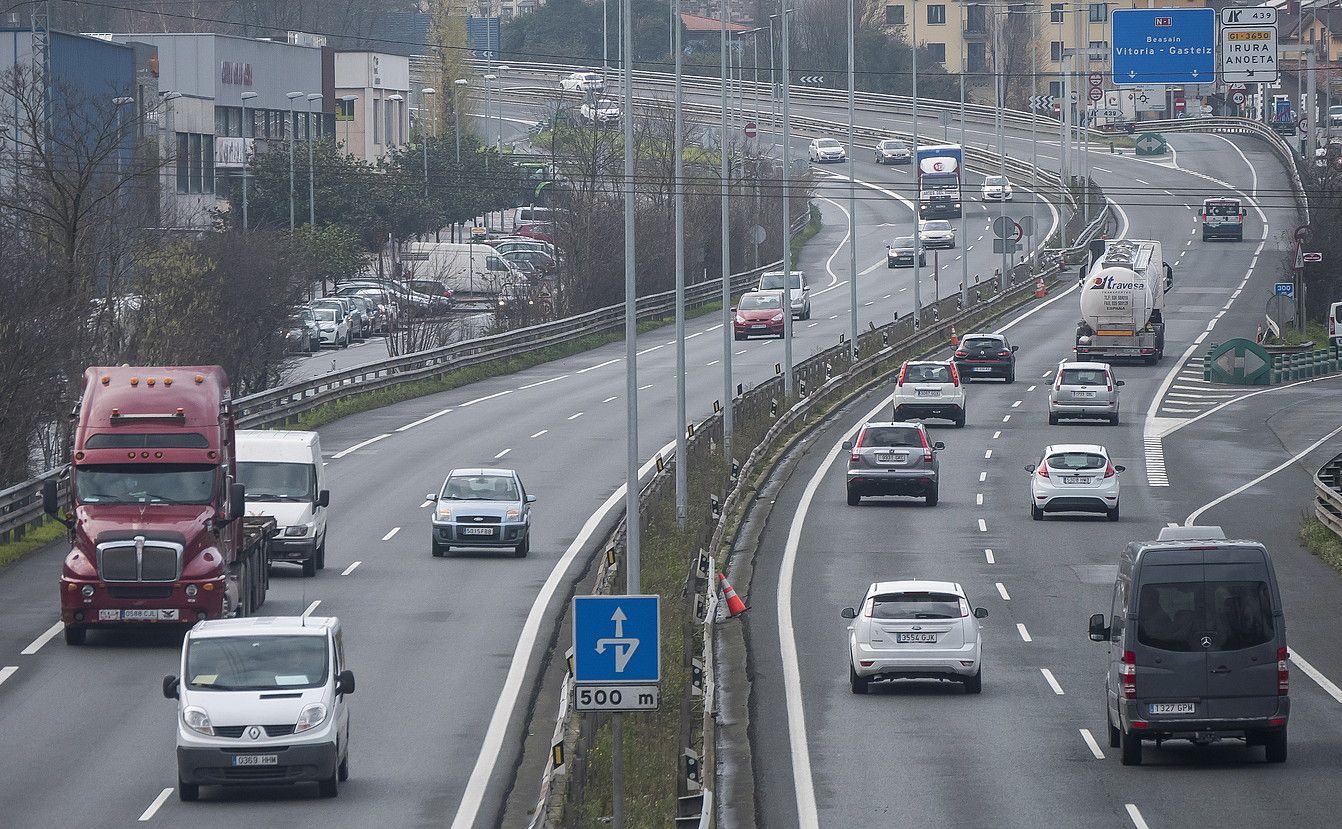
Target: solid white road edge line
1091 744
162 798
1052 682
1136 816
1193 516
834 277
473 795
1313 673
351 568
311 607
43 639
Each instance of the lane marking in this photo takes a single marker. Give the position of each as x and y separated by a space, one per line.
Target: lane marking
342 453
351 568
423 420
645 388
6 672
978 499
983 476
1315 674
987 455
1016 405
509 449
988 554
608 399
1136 816
1002 591
712 363
542 382
597 366
162 798
650 350
1006 418
997 434
1193 516
541 432
1030 389
311 607
1024 634
983 526
1052 682
744 350
486 397
573 416
391 534
43 639
847 234
1091 744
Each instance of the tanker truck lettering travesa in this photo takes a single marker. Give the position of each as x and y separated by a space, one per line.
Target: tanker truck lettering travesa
939 170
1123 302
157 527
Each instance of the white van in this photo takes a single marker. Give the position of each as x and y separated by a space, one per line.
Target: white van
465 268
262 700
1335 324
283 475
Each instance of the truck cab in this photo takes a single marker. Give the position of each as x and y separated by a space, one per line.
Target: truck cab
1222 218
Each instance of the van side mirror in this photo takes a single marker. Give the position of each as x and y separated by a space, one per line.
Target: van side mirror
1098 631
847 444
345 682
432 496
237 501
849 613
171 684
980 613
1028 468
324 498
1169 276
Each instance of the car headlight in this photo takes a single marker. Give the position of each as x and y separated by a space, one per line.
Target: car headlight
740 319
957 204
297 530
777 317
512 514
443 511
310 717
198 721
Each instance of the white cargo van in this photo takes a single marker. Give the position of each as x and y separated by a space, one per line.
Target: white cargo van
1335 324
465 268
283 475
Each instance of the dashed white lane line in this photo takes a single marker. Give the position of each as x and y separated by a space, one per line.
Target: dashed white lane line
812 325
597 366
608 399
486 397
997 434
1052 682
1102 170
162 798
1091 744
1024 634
342 453
351 568
1171 524
311 607
983 476
978 499
6 672
1016 405
645 388
987 455
988 554
712 362
542 382
1030 389
1046 375
1002 591
423 420
541 432
506 451
391 534
698 334
869 302
983 526
573 416
1139 181
1006 418
744 350
1137 820
46 637
832 316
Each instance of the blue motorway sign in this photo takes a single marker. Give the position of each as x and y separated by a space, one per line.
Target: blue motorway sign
482 33
1164 46
617 639
1286 289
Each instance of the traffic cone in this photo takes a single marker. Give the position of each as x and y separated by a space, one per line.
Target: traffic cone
1040 290
955 338
735 607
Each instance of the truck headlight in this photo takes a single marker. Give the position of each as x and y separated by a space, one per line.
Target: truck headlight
198 721
297 531
310 717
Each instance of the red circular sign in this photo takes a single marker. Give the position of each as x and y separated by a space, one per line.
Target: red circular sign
1095 94
1096 79
750 129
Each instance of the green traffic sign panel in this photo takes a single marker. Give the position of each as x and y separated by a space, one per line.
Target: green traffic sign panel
1151 143
1240 362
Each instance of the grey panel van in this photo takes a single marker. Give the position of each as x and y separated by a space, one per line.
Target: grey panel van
1197 645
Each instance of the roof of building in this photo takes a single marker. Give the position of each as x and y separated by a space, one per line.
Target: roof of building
695 23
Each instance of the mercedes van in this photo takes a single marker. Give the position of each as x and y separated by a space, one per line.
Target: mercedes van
282 471
1197 645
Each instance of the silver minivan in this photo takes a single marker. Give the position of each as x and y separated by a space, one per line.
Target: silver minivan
262 701
1197 645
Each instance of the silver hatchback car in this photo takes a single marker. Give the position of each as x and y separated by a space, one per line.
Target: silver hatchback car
893 459
481 508
1084 390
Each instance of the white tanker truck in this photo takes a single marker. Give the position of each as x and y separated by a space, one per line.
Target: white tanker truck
1123 302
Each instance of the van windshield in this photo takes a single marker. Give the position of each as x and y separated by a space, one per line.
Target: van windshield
267 481
256 663
1231 615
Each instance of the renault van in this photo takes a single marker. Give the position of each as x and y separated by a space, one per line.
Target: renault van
261 701
282 471
1197 645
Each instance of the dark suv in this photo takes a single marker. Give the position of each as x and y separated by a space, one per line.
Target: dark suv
986 355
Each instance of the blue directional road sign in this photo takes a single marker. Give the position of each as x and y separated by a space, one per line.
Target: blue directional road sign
1286 289
616 639
1169 46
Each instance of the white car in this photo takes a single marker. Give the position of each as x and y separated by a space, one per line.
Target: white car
826 150
799 291
937 233
333 326
583 82
1074 477
915 630
603 111
930 389
997 188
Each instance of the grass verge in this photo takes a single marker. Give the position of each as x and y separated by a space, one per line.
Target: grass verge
806 234
12 551
1315 332
1322 542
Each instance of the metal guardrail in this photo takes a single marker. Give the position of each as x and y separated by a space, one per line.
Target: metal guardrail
1328 495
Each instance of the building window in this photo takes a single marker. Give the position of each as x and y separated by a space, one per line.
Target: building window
977 20
1055 13
183 163
937 51
1055 89
894 15
390 111
345 110
936 14
1099 50
207 162
377 121
1099 12
978 57
197 175
1055 51
195 163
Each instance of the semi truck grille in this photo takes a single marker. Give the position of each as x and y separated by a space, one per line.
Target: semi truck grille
135 591
137 560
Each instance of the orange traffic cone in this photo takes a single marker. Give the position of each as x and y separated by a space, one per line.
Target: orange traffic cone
955 338
735 607
1040 290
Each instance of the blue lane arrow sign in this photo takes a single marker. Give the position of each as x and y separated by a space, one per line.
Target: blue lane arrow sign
616 639
1163 46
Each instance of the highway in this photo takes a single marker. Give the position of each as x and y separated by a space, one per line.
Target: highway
446 650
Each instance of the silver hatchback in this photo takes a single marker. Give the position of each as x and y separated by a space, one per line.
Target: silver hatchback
1084 390
893 459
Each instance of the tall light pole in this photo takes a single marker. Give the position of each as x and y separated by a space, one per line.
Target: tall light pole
787 211
427 92
489 106
917 175
119 102
682 416
312 185
964 234
999 95
246 96
292 130
498 116
852 191
460 84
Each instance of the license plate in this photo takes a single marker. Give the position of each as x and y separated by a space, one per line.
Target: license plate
1076 480
139 615
477 531
759 325
929 393
256 759
983 369
892 457
1083 395
1171 708
911 638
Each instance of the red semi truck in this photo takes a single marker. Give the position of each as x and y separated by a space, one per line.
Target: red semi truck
156 518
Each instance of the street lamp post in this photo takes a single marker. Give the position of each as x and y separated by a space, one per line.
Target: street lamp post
917 196
785 12
460 83
852 191
428 92
246 96
312 187
292 137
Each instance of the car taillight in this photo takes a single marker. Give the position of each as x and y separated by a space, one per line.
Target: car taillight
1127 672
962 354
902 371
1109 383
927 450
1283 672
955 375
1057 383
1043 469
964 608
1004 353
1109 470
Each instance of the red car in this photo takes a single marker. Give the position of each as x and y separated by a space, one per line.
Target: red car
759 312
537 230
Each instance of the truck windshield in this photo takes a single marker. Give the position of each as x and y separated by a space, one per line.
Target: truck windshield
256 663
266 481
136 483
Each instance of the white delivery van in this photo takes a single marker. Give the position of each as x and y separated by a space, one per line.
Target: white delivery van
1335 324
465 268
262 700
283 475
